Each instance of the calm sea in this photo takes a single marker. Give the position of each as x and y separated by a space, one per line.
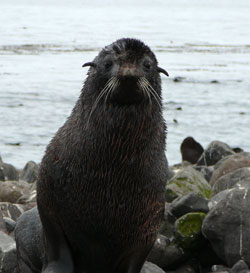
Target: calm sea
44 43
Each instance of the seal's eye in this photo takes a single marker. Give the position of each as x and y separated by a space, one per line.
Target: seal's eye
147 65
108 64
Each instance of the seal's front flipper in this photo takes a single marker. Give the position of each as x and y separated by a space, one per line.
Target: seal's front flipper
58 255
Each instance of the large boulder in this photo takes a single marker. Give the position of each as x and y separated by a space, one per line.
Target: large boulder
11 191
229 165
166 254
8 259
8 172
151 268
188 230
185 181
227 227
192 202
30 172
215 151
229 180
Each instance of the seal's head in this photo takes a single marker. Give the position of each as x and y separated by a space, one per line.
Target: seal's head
126 73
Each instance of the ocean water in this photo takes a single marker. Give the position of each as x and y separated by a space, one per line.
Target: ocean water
44 43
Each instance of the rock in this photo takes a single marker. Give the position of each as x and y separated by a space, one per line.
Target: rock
168 224
220 269
217 198
2 223
227 227
188 230
30 172
151 268
164 254
191 150
8 260
215 151
207 257
28 235
185 269
229 180
11 191
10 224
8 172
229 165
206 171
239 267
185 181
12 211
192 202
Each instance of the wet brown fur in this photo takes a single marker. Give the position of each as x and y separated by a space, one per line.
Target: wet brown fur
102 180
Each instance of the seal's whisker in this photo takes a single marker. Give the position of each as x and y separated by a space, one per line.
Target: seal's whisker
142 86
104 90
151 90
115 83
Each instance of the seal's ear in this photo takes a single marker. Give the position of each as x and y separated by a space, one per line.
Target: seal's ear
161 70
90 64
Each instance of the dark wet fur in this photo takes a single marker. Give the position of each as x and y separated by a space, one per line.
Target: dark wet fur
101 184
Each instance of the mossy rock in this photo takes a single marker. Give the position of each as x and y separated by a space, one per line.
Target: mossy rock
185 181
188 230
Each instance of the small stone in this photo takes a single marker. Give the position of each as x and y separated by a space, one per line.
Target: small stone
12 211
220 269
185 269
192 202
10 224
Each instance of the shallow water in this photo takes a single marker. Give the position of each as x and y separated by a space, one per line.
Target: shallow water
43 45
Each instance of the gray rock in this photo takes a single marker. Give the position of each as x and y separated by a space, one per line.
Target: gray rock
207 171
185 181
10 224
192 202
229 165
215 151
8 260
164 254
12 211
28 235
185 269
220 269
227 227
168 224
2 223
30 172
188 231
8 172
229 180
11 191
151 268
239 267
217 198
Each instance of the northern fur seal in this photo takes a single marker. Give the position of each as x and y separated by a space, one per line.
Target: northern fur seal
101 185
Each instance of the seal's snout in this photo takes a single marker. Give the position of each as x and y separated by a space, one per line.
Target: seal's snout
128 70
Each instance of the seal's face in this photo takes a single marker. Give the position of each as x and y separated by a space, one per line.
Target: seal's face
128 72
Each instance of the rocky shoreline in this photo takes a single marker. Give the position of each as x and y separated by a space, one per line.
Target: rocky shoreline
206 225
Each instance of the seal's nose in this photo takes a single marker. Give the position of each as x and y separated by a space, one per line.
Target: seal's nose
128 70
